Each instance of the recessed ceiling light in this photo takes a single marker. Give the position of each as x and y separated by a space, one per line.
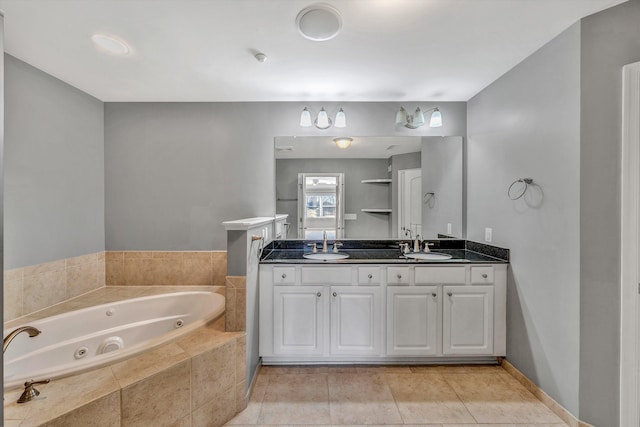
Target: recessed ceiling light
110 44
319 22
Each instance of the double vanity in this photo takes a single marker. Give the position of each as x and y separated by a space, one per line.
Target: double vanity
373 301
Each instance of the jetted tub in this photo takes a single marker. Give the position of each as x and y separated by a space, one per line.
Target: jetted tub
96 336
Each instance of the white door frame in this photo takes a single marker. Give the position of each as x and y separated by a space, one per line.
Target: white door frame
629 251
401 206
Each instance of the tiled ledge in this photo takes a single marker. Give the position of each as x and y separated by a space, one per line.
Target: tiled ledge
196 380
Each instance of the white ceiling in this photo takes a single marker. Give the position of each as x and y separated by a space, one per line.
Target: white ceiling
202 50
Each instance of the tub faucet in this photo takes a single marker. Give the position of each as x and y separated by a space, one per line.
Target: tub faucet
7 340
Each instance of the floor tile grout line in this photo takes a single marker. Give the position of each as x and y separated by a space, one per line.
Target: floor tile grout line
460 399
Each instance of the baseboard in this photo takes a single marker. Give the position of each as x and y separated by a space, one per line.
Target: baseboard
547 400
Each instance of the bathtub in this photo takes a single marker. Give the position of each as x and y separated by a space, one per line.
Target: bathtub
96 336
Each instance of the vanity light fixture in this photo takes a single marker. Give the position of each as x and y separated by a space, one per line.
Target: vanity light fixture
111 45
417 119
323 121
343 142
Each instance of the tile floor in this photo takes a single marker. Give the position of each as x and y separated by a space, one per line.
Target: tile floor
432 396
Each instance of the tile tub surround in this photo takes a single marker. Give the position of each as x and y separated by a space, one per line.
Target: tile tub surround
196 380
236 303
155 268
442 396
33 288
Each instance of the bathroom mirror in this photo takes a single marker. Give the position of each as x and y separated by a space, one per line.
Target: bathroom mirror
393 187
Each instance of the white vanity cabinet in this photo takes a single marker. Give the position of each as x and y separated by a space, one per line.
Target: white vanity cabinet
382 312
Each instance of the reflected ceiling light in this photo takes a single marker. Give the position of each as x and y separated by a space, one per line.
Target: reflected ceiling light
323 121
417 119
343 142
110 44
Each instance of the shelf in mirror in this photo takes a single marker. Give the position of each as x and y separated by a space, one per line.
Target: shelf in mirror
382 211
377 181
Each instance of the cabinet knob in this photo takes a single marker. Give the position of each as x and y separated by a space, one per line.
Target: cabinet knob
399 276
319 294
335 294
434 294
370 276
284 276
450 294
484 275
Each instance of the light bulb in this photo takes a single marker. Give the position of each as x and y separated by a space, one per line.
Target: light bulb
343 142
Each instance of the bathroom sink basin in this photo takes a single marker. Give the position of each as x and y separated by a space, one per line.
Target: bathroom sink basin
431 256
330 256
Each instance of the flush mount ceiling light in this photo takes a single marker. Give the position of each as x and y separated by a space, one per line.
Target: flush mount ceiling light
417 119
110 44
319 22
343 142
323 121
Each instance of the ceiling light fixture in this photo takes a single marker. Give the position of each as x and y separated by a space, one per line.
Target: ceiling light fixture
323 121
417 119
110 44
343 142
260 57
319 22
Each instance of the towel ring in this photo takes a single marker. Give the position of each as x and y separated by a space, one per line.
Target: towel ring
525 181
428 196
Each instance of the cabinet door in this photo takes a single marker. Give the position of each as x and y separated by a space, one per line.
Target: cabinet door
356 320
412 320
297 320
467 326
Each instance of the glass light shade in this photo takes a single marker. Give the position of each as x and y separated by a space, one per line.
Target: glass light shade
341 121
343 142
305 118
436 119
418 118
401 117
323 122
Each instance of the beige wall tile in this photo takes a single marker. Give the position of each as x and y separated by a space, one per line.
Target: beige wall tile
101 256
138 255
167 271
102 412
219 267
184 422
43 290
241 310
230 310
45 267
236 281
114 256
138 271
197 270
82 278
213 372
12 301
196 255
13 274
102 273
167 254
82 259
147 364
217 411
241 358
241 396
161 399
114 272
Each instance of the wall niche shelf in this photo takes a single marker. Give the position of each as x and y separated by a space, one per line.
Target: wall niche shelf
377 181
380 211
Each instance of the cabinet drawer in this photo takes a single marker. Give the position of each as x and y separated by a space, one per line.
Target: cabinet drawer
284 275
481 275
397 275
434 275
326 275
369 275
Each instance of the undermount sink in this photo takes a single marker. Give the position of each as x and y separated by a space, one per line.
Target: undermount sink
328 256
431 256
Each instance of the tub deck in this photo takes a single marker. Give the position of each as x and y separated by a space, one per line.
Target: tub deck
195 379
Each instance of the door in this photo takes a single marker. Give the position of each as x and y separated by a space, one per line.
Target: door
356 320
412 320
297 320
467 320
320 205
409 202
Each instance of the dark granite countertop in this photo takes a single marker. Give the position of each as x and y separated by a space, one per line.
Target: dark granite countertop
383 252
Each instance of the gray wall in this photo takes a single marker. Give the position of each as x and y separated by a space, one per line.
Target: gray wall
442 163
54 168
175 171
356 194
399 162
527 124
610 40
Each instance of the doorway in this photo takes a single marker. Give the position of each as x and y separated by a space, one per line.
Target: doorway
320 205
409 203
630 250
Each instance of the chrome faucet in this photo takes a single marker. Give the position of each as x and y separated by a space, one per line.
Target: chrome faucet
7 340
417 243
324 242
407 232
